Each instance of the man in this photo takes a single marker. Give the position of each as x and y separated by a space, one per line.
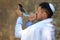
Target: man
43 29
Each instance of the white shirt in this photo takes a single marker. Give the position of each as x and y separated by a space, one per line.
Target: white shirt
43 30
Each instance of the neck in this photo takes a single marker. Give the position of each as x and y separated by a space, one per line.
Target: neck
41 19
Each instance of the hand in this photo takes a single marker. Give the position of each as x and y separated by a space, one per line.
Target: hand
19 13
32 17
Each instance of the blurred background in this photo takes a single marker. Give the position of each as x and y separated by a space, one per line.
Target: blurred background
8 16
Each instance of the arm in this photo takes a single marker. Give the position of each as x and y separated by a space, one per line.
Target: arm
18 27
48 34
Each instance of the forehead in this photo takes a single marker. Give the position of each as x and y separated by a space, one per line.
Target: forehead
40 8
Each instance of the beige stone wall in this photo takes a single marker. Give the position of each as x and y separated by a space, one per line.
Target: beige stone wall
8 16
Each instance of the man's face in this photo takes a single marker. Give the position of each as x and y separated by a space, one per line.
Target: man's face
41 14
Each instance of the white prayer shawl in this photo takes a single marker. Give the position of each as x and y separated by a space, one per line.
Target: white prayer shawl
43 30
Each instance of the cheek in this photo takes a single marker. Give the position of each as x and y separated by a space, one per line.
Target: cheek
38 16
44 15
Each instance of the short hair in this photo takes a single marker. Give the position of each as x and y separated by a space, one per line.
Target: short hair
45 5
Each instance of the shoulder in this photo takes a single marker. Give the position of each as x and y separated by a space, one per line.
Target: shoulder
49 27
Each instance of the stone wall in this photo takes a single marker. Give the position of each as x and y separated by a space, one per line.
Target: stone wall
8 16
